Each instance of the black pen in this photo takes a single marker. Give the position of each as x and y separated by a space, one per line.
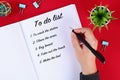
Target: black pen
96 53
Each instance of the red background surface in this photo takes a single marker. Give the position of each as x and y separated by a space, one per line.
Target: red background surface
108 71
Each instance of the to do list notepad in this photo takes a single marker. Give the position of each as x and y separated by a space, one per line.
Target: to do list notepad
40 48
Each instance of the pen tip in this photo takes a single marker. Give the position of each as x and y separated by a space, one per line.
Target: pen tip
71 29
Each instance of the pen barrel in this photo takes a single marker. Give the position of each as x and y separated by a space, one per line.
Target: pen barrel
96 53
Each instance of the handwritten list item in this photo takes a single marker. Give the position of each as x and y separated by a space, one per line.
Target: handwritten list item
40 48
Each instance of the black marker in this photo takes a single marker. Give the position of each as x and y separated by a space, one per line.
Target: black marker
96 53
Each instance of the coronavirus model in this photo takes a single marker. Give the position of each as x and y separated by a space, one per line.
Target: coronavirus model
100 16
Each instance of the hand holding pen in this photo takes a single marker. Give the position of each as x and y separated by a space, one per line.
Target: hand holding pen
84 55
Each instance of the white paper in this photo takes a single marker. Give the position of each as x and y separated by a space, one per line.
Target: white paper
50 44
15 62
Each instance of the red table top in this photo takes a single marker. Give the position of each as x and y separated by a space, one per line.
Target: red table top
108 71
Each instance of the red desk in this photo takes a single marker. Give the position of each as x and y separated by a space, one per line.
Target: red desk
109 71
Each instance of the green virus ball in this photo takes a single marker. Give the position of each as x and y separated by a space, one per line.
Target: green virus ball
100 16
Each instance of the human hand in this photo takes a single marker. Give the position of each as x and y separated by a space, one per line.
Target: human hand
84 55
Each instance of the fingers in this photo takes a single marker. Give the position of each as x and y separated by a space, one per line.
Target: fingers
75 42
85 31
89 36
